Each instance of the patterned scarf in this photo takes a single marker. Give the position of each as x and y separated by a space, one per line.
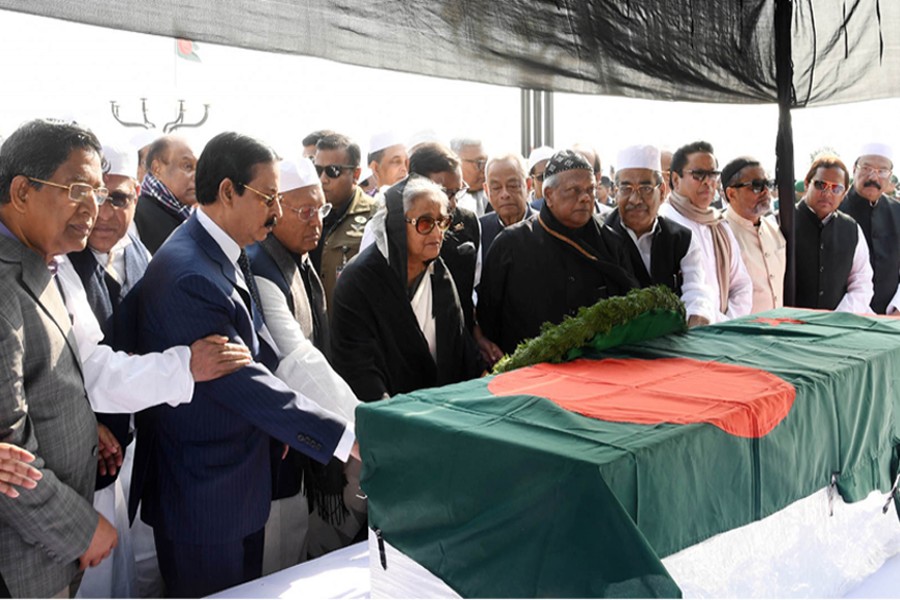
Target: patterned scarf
721 243
158 190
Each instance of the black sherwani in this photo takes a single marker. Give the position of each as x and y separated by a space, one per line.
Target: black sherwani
881 226
531 277
671 243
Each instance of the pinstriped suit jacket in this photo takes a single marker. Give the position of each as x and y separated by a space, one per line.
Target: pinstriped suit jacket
203 473
43 408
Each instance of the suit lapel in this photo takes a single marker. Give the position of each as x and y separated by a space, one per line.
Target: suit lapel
38 282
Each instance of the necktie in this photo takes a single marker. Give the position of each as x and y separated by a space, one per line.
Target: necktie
256 304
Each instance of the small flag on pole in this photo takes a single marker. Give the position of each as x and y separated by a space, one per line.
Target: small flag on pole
187 49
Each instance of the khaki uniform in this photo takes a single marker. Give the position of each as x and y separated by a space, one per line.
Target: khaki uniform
342 243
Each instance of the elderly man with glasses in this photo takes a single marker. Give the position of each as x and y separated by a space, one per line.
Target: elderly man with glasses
763 247
695 175
879 216
337 161
301 521
662 251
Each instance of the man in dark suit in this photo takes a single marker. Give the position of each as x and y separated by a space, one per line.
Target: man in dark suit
167 190
50 186
206 488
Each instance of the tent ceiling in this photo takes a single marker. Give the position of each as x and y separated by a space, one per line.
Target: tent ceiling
696 50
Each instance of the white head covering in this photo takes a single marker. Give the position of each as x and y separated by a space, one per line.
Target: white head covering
297 174
638 157
877 149
538 154
382 140
119 160
423 137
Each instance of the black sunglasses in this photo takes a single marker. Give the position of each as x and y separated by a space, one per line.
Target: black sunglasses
120 199
332 171
757 185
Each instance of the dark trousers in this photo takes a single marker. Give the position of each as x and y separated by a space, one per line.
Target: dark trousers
197 570
4 591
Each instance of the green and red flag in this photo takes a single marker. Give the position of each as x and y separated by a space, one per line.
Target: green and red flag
187 49
575 479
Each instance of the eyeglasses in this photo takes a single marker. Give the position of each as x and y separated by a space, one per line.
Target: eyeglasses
478 162
645 192
267 199
538 176
513 187
426 223
883 173
78 192
823 186
455 195
332 171
702 174
307 212
120 199
756 186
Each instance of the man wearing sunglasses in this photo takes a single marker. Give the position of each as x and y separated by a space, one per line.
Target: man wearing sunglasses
833 270
293 301
879 216
337 164
695 176
662 251
763 247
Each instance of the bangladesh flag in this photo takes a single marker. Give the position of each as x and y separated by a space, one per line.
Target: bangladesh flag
575 479
187 49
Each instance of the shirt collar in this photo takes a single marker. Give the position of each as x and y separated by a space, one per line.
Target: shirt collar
228 245
635 237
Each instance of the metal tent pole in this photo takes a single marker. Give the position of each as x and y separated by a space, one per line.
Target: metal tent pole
784 143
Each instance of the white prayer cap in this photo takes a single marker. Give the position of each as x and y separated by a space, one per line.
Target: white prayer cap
364 174
297 174
638 157
382 140
119 160
538 154
877 149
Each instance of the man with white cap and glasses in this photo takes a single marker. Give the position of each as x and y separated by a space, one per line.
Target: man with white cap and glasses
879 217
695 175
662 251
387 159
763 247
293 302
537 162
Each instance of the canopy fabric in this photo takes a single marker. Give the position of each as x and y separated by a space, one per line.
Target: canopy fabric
693 50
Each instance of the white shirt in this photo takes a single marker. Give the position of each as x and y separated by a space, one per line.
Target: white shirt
232 251
695 293
304 369
740 289
117 382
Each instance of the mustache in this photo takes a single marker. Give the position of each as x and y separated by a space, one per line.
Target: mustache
872 183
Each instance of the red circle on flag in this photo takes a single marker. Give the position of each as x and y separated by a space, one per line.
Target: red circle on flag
742 401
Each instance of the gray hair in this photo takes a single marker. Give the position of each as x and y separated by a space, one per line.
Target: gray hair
513 157
457 144
422 186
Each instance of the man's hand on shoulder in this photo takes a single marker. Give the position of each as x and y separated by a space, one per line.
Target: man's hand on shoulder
214 356
104 540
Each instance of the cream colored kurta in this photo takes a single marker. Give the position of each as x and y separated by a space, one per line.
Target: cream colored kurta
764 252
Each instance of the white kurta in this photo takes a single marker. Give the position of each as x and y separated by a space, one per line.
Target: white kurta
860 288
740 290
695 293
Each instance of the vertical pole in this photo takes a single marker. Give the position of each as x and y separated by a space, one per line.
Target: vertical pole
526 121
537 137
784 143
548 118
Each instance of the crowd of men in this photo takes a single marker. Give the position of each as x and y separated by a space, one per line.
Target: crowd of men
177 410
